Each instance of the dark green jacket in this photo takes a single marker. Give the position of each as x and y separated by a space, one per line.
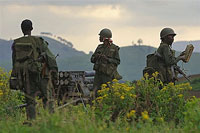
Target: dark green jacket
166 62
109 65
167 55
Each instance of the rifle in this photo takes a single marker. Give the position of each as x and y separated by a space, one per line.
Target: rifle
177 68
101 58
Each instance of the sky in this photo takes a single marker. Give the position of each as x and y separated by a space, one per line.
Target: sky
80 21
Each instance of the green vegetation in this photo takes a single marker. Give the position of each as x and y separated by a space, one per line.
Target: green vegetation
120 107
195 83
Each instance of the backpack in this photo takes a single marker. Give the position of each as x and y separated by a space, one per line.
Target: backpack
152 62
26 54
26 51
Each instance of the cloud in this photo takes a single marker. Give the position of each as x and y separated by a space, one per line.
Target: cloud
80 21
168 12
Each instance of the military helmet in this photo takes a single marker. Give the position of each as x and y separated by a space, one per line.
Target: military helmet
26 25
106 33
167 31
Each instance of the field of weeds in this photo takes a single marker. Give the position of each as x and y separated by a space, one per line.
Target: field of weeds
119 107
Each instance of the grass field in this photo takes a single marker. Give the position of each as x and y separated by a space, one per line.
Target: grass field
120 107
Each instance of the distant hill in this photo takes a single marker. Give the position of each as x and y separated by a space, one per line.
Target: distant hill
133 58
5 54
181 45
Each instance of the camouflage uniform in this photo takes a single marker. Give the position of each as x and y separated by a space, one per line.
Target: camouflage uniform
106 68
49 76
166 62
28 70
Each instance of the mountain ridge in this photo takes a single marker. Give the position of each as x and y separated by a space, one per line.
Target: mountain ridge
133 58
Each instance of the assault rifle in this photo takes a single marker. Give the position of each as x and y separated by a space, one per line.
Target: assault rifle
178 69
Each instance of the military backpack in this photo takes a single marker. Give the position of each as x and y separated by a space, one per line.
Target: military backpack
26 52
152 63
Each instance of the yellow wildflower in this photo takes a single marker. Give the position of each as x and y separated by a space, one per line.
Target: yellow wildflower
122 97
155 74
99 98
115 80
180 95
105 95
99 91
128 115
134 96
190 88
139 83
171 84
127 88
146 75
108 82
170 99
107 89
1 84
103 85
161 119
145 115
132 112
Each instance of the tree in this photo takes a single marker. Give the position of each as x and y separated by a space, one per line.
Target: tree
140 41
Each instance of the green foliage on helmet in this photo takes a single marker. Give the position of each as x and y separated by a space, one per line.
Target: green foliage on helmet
167 31
106 33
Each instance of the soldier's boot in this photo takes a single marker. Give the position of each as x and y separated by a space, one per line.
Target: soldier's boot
30 111
49 105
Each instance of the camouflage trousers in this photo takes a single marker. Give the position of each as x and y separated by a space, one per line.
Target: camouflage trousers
31 89
47 94
99 79
37 87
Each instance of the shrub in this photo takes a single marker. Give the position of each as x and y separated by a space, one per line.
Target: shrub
192 115
8 99
143 100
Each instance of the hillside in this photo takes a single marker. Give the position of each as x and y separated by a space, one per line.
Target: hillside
133 58
181 45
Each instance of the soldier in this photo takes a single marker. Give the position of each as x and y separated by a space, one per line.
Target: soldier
32 65
106 59
167 59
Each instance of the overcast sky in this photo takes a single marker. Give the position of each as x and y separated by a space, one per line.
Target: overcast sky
80 21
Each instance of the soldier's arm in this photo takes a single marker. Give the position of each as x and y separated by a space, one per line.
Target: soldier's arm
168 57
49 56
116 59
93 58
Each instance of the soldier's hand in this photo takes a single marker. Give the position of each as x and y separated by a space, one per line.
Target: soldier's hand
182 58
182 53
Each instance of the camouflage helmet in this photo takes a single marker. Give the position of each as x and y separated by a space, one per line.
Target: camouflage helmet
167 31
106 33
26 25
